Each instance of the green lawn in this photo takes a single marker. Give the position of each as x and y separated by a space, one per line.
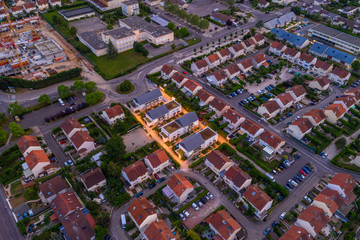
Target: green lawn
123 63
193 41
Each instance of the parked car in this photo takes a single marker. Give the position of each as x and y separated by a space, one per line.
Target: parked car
156 176
70 162
274 224
203 200
210 195
266 232
181 216
293 182
290 185
139 194
31 228
207 198
152 185
303 173
62 142
199 203
195 206
186 214
308 199
282 215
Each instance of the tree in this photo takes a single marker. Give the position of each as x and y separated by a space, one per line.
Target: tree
15 109
253 31
63 91
90 86
115 147
195 50
111 50
204 24
100 232
147 19
94 97
78 85
340 143
173 46
3 136
195 20
73 30
259 24
356 65
171 26
296 10
44 99
184 32
16 129
192 235
31 194
182 13
125 86
138 47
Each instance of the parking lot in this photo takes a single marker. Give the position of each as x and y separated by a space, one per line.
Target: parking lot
205 7
93 24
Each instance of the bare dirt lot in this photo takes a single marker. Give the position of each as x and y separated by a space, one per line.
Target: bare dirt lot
136 139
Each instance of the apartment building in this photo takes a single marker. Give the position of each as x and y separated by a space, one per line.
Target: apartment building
122 38
130 8
179 127
162 113
147 100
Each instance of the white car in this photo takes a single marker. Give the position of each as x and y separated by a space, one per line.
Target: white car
325 155
308 199
282 215
293 182
195 206
210 195
186 213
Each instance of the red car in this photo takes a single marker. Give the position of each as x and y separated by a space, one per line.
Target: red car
62 141
185 72
156 176
303 173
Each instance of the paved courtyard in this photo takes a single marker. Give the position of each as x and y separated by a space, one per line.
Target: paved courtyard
93 24
204 7
136 139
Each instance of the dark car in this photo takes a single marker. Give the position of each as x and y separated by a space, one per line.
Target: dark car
107 237
139 194
266 232
31 228
274 224
161 179
203 200
152 185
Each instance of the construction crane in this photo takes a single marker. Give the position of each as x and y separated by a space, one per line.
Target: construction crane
13 31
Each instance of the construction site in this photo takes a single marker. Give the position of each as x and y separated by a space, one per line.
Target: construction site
31 49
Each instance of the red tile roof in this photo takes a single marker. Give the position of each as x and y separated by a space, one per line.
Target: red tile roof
35 157
167 69
331 198
340 72
323 65
349 101
232 69
222 17
65 203
238 47
191 85
298 90
257 197
338 109
178 77
290 51
213 57
317 114
296 233
29 5
322 80
285 98
135 170
27 141
157 158
201 63
220 75
271 139
345 181
41 2
16 9
232 116
140 209
53 186
224 224
259 58
259 37
303 124
306 57
178 184
80 137
158 230
271 106
237 176
92 177
247 63
250 127
77 226
225 52
218 104
315 217
277 45
70 124
203 95
114 111
249 42
218 159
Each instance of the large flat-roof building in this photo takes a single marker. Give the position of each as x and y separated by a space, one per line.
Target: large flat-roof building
130 8
94 42
77 13
122 38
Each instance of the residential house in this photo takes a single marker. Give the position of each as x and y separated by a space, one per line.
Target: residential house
316 116
218 79
290 54
64 204
38 162
339 76
232 71
334 112
199 67
50 188
179 127
28 143
260 60
237 50
158 230
252 129
142 213
157 160
179 79
192 87
297 92
277 48
205 97
318 49
111 115
224 55
93 179
299 128
180 187
344 184
246 65
218 106
285 100
271 143
213 60
167 71
70 127
197 142
269 109
306 61
135 173
346 101
146 100
258 199
349 10
16 11
339 56
322 68
83 142
78 225
249 44
218 162
162 113
292 39
222 18
355 92
296 233
224 226
259 39
280 21
313 220
233 118
321 83
55 3
237 179
328 200
263 4
28 7
42 4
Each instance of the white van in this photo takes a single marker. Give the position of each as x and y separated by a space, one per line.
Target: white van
123 221
270 177
61 102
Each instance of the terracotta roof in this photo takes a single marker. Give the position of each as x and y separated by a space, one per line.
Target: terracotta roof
203 95
70 124
225 52
191 85
220 75
349 101
271 106
224 224
247 63
331 198
262 2
249 42
238 47
92 177
218 104
29 5
217 158
201 63
178 77
250 127
323 65
237 176
222 17
340 72
306 57
259 58
285 98
41 2
298 90
65 203
158 230
114 111
345 181
315 217
232 116
36 156
213 57
271 139
354 91
27 141
16 9
317 114
232 69
296 233
53 186
290 51
257 197
337 108
277 45
167 69
322 80
80 137
157 158
135 170
258 37
54 1
140 209
77 226
178 183
303 124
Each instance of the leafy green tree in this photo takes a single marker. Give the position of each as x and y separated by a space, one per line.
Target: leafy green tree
171 26
173 46
204 24
289 217
2 116
259 23
148 19
94 97
90 86
111 50
184 32
340 143
192 235
16 129
125 86
78 85
296 10
138 47
73 30
356 65
31 194
15 109
182 13
4 135
63 91
195 20
101 232
44 99
115 148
